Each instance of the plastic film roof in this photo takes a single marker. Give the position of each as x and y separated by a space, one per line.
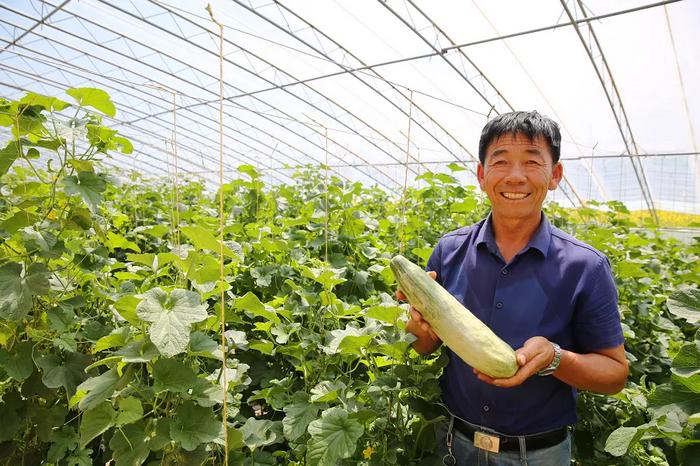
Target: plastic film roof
380 91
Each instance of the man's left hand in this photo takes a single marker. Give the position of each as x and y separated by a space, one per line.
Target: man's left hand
536 354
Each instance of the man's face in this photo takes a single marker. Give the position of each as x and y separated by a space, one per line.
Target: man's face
516 175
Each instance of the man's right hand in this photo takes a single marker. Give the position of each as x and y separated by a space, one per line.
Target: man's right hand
427 340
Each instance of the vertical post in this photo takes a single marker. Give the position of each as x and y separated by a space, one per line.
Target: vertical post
405 177
222 277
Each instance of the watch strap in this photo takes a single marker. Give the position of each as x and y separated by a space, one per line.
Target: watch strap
549 370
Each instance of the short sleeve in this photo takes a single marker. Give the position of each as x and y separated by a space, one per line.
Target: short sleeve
435 262
597 319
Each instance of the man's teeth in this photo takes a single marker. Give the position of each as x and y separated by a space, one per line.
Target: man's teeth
515 196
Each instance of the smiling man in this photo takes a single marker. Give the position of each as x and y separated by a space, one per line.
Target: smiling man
548 295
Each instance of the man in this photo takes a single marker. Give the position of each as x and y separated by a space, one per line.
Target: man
548 295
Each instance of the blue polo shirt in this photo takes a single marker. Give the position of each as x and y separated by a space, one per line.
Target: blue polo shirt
556 287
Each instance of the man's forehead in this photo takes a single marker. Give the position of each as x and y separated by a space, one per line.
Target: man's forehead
518 139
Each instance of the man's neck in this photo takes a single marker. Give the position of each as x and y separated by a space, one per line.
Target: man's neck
512 234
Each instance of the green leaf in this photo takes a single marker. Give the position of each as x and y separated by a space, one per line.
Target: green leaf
333 437
52 104
685 303
297 418
8 155
193 425
80 457
82 165
130 445
621 439
19 220
203 239
123 144
12 421
388 314
674 397
327 391
349 340
467 205
95 422
172 375
130 410
454 167
249 302
17 289
98 389
326 276
64 440
139 351
115 241
66 373
95 98
18 364
115 339
687 361
89 186
171 317
258 433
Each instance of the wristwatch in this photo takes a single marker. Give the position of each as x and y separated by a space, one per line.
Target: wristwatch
549 370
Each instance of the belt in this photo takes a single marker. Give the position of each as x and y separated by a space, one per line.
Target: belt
511 442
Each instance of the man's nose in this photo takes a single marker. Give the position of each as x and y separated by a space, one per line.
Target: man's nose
516 173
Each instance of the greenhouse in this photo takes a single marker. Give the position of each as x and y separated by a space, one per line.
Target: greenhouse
204 204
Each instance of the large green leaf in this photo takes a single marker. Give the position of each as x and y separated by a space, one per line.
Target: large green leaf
251 303
685 303
96 421
17 288
18 364
193 425
258 433
676 396
130 445
171 316
130 410
65 372
52 104
172 375
98 389
89 186
203 239
297 418
687 361
622 438
333 437
95 98
12 420
8 155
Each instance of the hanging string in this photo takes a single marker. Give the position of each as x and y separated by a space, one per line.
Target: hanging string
222 315
325 186
405 177
177 178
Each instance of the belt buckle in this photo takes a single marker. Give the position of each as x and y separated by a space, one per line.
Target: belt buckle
486 442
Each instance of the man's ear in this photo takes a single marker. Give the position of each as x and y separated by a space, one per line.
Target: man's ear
480 175
557 175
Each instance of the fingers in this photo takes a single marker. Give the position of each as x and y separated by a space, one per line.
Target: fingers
536 354
400 296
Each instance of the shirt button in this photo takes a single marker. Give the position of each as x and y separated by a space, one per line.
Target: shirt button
499 305
504 272
486 408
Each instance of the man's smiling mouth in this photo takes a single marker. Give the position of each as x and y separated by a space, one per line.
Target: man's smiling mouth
515 196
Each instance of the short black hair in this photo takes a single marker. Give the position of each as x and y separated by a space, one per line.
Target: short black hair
531 124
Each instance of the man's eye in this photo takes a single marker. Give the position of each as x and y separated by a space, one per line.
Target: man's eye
533 162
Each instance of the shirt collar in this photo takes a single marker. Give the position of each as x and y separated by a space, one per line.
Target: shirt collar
540 240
